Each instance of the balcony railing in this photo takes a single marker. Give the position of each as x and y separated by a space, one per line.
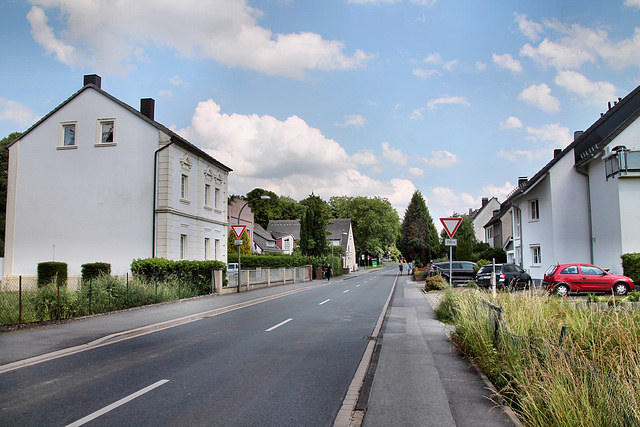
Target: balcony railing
621 162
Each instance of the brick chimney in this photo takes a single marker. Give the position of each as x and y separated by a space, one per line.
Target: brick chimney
92 79
147 107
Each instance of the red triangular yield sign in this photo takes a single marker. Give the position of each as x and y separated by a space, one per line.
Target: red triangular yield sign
451 225
238 230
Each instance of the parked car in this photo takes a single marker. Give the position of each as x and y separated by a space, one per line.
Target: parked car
510 276
565 278
461 271
232 268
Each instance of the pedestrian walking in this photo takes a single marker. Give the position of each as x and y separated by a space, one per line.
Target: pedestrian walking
328 271
400 268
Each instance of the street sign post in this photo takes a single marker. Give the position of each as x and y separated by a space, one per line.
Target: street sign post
451 226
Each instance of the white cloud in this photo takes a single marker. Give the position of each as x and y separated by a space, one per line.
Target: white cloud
353 120
447 198
288 157
16 112
556 135
416 171
424 73
593 92
365 157
632 3
506 61
442 159
433 58
417 114
112 36
393 154
450 65
500 193
558 55
540 96
459 100
481 66
529 28
513 155
176 80
511 123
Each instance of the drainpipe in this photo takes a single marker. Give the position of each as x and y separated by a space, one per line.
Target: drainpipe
588 214
155 191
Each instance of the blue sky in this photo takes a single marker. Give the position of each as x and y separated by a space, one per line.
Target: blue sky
455 98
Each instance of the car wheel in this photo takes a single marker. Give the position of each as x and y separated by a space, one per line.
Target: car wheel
620 288
562 289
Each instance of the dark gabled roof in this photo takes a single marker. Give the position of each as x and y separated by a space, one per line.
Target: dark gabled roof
261 237
504 208
175 138
336 227
285 227
594 139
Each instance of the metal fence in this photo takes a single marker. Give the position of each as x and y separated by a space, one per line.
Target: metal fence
612 393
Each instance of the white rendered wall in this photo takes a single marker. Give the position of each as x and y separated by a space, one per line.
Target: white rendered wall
92 203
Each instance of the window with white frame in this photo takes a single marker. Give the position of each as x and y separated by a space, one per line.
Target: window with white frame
216 199
68 135
183 246
207 248
536 256
216 249
106 132
184 187
534 210
207 195
516 223
286 245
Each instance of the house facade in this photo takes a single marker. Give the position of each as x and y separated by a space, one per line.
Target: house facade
583 205
482 215
97 180
341 234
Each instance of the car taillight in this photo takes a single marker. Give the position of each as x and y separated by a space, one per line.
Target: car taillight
502 276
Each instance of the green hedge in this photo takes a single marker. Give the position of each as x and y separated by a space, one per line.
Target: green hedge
195 272
50 271
287 261
95 269
631 266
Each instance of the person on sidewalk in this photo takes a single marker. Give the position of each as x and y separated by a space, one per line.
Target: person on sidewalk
328 271
400 268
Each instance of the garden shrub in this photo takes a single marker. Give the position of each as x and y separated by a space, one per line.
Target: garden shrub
45 302
94 270
434 283
185 272
631 266
50 271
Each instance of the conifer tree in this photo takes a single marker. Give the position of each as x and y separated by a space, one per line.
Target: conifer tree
419 239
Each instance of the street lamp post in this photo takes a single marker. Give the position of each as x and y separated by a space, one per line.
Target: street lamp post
239 245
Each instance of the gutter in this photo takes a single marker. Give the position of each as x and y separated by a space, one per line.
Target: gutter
155 192
588 214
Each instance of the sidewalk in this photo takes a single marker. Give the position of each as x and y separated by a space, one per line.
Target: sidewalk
420 380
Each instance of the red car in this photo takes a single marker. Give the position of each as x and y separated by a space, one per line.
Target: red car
565 278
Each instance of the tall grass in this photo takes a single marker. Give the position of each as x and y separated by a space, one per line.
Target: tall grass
590 376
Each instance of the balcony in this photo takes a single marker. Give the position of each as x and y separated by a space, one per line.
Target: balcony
621 161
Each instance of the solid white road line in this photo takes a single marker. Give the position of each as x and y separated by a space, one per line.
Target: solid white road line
278 325
325 301
116 404
344 292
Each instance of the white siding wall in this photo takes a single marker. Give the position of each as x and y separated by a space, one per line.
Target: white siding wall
92 203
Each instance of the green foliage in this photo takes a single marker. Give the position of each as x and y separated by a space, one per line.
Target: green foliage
631 266
480 263
418 235
50 271
4 171
245 248
374 221
95 269
197 272
313 235
45 302
434 283
274 208
490 253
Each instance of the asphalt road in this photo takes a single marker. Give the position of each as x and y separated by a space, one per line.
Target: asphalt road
284 362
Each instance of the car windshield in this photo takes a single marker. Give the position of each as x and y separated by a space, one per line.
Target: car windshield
550 270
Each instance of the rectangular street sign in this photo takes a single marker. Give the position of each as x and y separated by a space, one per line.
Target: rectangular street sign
451 242
238 242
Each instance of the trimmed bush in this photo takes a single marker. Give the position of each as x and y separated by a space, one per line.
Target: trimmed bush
631 266
434 283
50 271
95 269
195 272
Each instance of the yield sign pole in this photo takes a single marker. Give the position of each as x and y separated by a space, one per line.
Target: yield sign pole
451 226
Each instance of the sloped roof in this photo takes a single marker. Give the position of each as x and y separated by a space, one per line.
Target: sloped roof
591 141
261 237
285 227
337 227
175 138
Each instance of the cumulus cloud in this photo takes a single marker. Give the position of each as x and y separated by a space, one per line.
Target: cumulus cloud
444 100
425 74
416 171
540 96
632 3
446 197
17 113
353 120
555 134
393 154
511 123
529 28
442 159
500 193
113 36
592 92
507 61
289 157
514 155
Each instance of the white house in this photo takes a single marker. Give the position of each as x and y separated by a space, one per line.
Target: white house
341 234
97 180
583 205
482 215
